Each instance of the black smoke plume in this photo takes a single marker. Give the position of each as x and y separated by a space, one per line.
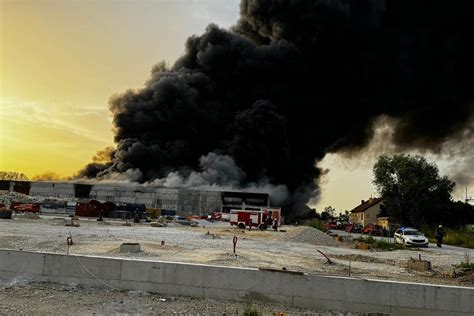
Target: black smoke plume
293 80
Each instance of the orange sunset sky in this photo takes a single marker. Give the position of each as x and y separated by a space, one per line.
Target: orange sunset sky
62 60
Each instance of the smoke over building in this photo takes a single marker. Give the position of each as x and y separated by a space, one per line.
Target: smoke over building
293 80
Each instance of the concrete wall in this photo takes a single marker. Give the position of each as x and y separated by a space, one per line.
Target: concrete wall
202 281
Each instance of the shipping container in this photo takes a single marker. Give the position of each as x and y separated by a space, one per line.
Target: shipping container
71 208
153 212
168 212
89 208
129 211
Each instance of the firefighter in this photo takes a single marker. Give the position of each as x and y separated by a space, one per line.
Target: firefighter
275 224
439 235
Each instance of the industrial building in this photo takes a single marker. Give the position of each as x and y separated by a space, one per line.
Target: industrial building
183 201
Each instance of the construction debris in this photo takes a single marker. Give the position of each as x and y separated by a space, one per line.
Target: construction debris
418 264
362 245
74 222
130 247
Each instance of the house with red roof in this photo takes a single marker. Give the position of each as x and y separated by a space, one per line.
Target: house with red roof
366 212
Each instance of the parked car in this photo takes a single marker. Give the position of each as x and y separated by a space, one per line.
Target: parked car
353 228
341 225
409 236
330 225
184 221
372 229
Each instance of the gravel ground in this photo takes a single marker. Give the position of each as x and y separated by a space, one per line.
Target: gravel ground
211 243
292 248
54 299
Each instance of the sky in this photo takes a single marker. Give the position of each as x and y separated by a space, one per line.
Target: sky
60 62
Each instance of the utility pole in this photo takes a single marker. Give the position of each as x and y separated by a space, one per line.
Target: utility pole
468 199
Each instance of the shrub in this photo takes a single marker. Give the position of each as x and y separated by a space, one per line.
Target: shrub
379 244
383 245
461 237
318 225
369 239
250 310
467 264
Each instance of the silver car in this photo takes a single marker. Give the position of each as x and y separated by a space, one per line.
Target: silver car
410 237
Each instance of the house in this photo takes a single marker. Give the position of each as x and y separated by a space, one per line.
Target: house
366 212
384 222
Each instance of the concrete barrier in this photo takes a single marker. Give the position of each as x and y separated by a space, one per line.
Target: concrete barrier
202 281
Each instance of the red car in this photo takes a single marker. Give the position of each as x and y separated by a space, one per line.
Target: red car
330 225
31 207
372 229
353 228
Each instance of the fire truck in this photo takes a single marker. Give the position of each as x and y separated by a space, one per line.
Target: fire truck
262 219
247 218
219 216
272 212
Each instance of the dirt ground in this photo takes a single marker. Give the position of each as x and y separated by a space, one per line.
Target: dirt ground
53 299
293 248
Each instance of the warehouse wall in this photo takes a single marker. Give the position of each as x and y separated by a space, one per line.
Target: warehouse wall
184 201
52 189
203 281
191 201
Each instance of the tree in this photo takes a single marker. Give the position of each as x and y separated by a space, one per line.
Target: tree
313 214
12 176
411 188
344 217
48 176
328 213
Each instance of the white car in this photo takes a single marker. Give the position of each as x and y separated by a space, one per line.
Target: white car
410 237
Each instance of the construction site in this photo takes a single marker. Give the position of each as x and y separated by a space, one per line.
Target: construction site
288 250
209 157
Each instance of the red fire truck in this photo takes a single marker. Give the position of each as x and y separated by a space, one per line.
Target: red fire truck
248 218
273 213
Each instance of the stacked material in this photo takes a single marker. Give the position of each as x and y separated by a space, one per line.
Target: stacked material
309 235
8 197
48 204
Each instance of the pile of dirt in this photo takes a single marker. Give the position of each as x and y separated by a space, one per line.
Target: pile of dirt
309 235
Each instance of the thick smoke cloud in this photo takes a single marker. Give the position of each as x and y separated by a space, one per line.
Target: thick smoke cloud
215 171
220 172
293 80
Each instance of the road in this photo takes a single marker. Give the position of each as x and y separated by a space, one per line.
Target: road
445 249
